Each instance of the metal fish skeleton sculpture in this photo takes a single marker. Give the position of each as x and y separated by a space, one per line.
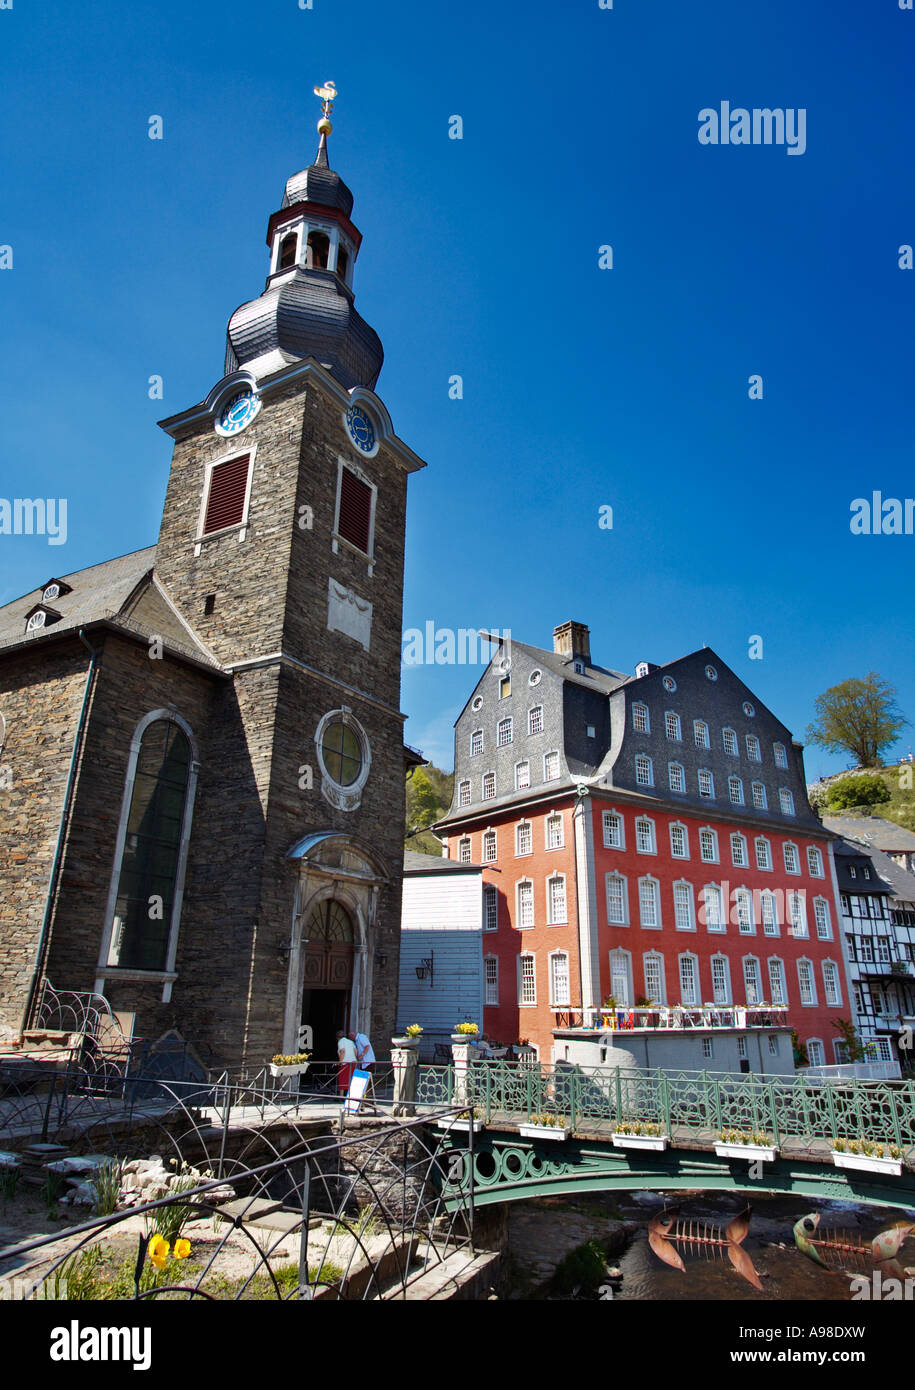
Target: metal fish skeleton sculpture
667 1231
836 1250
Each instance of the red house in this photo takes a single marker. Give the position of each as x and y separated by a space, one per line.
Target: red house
647 839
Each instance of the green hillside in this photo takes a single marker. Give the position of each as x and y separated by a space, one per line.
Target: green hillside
428 798
900 783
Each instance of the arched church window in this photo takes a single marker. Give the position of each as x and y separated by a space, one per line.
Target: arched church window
151 871
329 921
288 247
318 250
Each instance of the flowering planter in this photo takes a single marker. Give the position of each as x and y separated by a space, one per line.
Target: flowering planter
753 1153
657 1142
290 1069
543 1132
470 1038
890 1166
449 1122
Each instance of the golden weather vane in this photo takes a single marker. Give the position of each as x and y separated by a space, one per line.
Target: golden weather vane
328 94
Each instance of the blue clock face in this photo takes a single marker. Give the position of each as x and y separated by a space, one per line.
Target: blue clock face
361 430
237 413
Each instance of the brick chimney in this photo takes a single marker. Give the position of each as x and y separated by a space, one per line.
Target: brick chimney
573 641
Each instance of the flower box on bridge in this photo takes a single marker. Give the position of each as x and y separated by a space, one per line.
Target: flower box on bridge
753 1153
868 1164
532 1131
288 1069
656 1142
459 1122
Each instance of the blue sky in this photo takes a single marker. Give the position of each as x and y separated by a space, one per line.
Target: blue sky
582 387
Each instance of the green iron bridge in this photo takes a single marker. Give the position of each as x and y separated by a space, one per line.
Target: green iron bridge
798 1129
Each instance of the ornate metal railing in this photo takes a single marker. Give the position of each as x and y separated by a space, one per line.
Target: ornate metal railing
704 1016
596 1098
361 1217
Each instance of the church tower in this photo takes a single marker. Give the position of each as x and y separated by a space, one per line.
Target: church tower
282 547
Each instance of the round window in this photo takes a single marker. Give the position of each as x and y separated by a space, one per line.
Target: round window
341 753
478 702
534 677
748 709
669 683
711 673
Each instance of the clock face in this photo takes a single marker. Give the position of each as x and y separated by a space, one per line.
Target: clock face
360 428
237 413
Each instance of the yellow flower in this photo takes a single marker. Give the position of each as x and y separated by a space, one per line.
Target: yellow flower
182 1249
158 1251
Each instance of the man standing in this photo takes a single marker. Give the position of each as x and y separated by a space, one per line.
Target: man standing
347 1059
365 1054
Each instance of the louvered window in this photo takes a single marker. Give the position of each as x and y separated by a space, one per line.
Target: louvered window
355 517
226 498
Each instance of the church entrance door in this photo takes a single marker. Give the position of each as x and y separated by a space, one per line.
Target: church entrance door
328 942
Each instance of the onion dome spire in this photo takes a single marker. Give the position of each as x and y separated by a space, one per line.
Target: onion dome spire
307 308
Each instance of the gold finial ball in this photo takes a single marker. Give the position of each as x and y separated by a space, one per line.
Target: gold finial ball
324 126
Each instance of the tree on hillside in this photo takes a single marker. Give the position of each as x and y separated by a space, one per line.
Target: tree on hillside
861 789
428 798
860 717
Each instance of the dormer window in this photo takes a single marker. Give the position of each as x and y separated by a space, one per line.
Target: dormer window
317 252
52 591
578 667
39 618
288 251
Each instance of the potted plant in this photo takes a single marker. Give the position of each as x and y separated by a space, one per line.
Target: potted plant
639 1134
410 1035
465 1033
464 1120
867 1156
753 1145
544 1127
291 1064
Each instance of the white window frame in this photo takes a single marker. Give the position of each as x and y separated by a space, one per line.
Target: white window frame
735 791
336 539
700 734
660 995
791 857
680 788
519 852
465 850
652 841
476 752
464 792
555 1001
821 910
519 912
240 526
739 842
552 921
719 926
780 755
624 892
522 1002
509 723
744 916
520 785
620 825
690 924
672 721
832 995
490 986
560 843
761 841
709 794
483 781
770 928
816 1055
734 750
624 958
643 763
810 1003
757 980
775 970
696 991
538 710
815 857
754 752
490 895
640 709
656 925
724 972
553 753
707 830
799 928
678 825
786 801
760 796
490 839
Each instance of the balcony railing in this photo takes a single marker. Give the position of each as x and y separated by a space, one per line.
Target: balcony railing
704 1016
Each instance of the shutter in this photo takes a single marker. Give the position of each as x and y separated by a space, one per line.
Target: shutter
226 500
355 510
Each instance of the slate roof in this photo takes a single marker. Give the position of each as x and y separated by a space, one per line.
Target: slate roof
873 830
594 678
416 863
319 184
846 850
890 874
113 593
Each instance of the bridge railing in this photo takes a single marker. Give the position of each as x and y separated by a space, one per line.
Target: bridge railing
597 1098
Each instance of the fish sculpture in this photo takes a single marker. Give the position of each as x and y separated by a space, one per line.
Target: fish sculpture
836 1250
667 1231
